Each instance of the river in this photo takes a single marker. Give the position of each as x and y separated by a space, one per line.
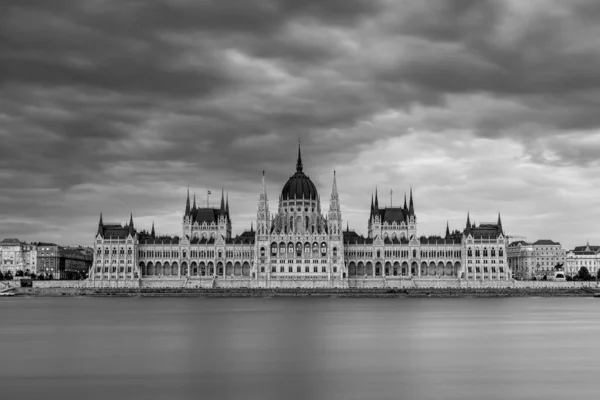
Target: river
299 348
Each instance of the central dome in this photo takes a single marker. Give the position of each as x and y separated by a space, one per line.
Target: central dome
299 186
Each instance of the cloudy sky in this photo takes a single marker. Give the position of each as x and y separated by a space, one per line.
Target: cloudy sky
117 106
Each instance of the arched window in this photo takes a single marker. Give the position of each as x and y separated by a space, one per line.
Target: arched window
273 249
298 249
469 252
335 251
290 248
493 252
323 249
485 252
298 269
291 224
307 223
477 253
262 251
315 248
414 253
501 252
282 248
378 253
307 248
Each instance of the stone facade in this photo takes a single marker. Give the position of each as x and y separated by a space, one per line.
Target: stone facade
299 246
583 256
541 259
16 255
63 262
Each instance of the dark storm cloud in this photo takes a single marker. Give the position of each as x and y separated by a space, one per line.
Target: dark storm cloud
144 93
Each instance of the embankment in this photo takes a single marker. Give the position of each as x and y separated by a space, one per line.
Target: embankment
240 292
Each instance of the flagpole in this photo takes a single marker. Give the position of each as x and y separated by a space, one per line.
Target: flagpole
391 198
207 194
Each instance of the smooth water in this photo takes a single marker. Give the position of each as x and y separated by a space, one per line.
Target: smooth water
299 348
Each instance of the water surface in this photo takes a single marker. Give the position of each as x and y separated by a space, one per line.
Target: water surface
299 348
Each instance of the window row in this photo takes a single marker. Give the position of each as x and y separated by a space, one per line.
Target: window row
485 270
298 269
492 252
298 249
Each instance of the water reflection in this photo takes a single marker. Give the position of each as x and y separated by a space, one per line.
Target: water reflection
184 348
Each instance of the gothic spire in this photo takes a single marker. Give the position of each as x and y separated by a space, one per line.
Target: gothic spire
187 203
100 226
447 229
405 206
131 221
376 200
152 233
372 206
227 206
264 187
411 207
500 224
347 227
334 191
299 162
251 226
222 200
194 206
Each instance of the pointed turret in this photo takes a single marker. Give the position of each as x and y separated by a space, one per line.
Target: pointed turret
227 206
194 206
347 227
100 227
299 162
187 203
405 206
447 229
376 200
251 226
152 233
468 221
263 192
411 207
222 209
500 230
334 191
131 229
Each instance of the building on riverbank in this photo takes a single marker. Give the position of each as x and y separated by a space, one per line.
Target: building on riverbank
63 262
300 245
537 260
583 256
16 255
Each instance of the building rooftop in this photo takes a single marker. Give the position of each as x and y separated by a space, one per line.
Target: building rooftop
546 242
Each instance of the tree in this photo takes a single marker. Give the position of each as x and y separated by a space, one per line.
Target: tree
584 274
598 274
32 275
19 273
1 276
569 278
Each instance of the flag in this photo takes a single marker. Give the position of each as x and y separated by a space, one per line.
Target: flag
209 192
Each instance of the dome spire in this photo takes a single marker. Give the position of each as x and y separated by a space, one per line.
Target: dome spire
299 162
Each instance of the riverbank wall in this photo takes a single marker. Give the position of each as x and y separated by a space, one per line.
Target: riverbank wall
410 288
366 284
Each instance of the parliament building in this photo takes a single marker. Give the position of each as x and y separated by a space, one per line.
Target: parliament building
298 246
